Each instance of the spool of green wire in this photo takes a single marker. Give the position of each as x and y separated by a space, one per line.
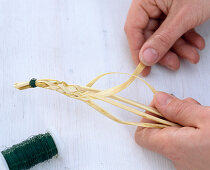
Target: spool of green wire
30 152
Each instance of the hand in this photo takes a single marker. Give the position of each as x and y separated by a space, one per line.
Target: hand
162 31
188 147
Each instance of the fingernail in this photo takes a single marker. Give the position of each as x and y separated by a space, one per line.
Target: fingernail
150 56
170 67
163 98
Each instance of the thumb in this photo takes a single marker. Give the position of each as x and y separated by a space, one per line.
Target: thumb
179 111
173 27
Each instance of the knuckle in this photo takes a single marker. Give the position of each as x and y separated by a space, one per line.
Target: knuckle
164 39
179 107
128 29
190 98
125 28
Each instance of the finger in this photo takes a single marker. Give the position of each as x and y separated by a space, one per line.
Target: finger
136 22
171 61
164 141
146 71
191 100
157 140
152 25
179 111
134 57
143 120
195 39
151 138
169 141
173 27
147 34
186 51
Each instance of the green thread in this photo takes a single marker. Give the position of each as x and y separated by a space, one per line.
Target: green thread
32 83
30 152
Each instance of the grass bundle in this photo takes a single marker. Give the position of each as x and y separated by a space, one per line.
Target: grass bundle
88 94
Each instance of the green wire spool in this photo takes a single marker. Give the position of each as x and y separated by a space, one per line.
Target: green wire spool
30 152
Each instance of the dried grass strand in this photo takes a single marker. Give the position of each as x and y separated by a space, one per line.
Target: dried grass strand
88 94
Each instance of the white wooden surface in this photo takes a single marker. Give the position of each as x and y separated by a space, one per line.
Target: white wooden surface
74 41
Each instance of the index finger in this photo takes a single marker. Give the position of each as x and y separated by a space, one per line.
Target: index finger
137 20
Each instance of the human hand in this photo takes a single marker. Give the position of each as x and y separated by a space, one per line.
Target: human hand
162 31
189 146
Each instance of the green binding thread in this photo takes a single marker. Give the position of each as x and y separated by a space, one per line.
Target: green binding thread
30 152
32 83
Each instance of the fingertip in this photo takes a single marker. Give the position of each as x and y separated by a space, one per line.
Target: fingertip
171 61
146 71
195 39
159 93
186 51
201 43
149 56
174 63
195 57
175 66
143 136
162 99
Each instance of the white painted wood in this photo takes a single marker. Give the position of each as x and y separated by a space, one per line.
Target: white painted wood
74 41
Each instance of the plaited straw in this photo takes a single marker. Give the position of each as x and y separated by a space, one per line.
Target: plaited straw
88 94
